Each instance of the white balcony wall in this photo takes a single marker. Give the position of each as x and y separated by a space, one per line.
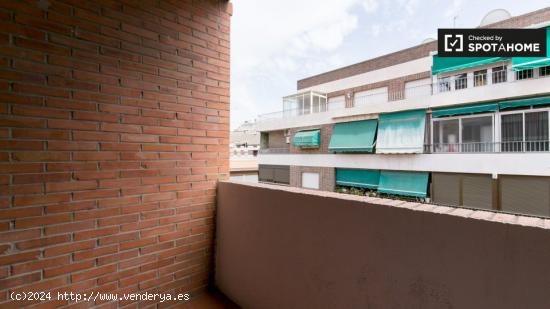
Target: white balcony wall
418 88
336 103
535 164
371 97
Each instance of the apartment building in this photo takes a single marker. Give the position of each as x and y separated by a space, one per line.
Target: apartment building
469 132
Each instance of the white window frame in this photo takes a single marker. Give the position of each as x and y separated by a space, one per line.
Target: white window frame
523 112
313 186
460 117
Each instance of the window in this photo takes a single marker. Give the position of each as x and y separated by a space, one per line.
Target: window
480 78
310 180
511 132
524 74
525 131
499 74
463 134
461 81
307 104
477 134
536 131
544 71
444 84
445 134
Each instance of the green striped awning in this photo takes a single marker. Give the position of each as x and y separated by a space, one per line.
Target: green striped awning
524 102
357 178
522 63
307 139
401 132
448 64
404 183
356 136
464 110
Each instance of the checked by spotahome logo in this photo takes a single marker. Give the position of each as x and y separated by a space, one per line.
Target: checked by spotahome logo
493 42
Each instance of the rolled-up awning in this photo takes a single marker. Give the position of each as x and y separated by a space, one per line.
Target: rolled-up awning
401 132
356 136
465 110
404 183
523 63
524 102
307 139
357 178
448 64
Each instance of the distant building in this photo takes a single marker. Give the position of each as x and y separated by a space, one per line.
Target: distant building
244 146
464 132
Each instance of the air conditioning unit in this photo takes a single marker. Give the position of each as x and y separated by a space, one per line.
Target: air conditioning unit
288 139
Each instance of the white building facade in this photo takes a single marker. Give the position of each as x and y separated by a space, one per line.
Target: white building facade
469 132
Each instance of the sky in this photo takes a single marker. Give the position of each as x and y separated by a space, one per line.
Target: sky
276 43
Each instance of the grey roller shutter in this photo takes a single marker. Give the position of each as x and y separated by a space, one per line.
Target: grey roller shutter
282 175
265 173
446 189
477 191
525 195
274 173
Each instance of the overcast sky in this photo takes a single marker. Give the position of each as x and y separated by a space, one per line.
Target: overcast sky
276 43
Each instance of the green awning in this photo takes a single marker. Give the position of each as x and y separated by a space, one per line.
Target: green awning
356 136
448 64
404 183
522 63
357 178
307 139
524 102
401 132
464 110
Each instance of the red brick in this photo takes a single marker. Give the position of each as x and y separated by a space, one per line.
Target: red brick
70 186
42 242
41 199
65 269
40 264
73 247
41 156
15 281
93 273
42 220
41 90
72 124
18 258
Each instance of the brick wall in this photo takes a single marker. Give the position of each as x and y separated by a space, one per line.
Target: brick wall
326 176
113 132
377 63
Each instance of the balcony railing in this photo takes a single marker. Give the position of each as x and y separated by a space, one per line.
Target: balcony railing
484 147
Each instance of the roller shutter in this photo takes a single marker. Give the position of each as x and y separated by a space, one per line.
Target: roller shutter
525 195
446 189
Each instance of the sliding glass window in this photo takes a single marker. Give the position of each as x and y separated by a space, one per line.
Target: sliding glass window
463 134
477 134
525 131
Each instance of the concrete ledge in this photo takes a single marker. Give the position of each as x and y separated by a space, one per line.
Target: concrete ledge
487 215
283 247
